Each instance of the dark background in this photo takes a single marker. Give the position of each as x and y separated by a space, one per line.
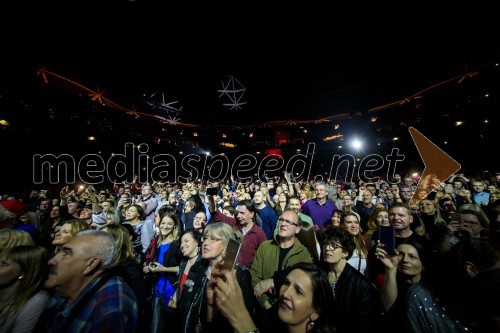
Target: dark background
295 63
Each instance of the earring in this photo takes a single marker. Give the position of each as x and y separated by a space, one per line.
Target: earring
20 277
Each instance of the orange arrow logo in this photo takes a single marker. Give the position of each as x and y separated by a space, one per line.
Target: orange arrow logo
439 166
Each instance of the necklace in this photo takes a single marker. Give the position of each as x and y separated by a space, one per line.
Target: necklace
333 282
199 295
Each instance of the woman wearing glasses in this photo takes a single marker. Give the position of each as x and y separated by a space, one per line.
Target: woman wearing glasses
196 310
356 300
199 221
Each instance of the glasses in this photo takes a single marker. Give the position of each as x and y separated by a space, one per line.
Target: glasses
282 220
210 239
332 246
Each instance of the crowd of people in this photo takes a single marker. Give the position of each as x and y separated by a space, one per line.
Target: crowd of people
314 257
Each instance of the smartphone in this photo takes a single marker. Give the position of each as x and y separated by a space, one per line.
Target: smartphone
232 252
456 217
387 236
212 191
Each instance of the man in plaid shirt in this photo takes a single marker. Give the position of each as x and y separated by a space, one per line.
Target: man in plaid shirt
89 297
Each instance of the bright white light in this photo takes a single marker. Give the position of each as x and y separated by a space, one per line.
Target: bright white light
208 153
356 144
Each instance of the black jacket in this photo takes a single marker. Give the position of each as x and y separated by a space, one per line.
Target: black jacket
356 307
192 302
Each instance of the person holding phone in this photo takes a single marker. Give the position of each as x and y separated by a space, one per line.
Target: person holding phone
196 309
379 217
304 305
400 218
403 269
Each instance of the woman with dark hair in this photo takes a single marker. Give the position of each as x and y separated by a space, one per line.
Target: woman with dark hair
281 203
463 294
402 270
136 217
356 303
334 222
351 222
190 248
307 237
304 304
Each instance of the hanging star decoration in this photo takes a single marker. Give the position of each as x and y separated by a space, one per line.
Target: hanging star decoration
232 93
97 95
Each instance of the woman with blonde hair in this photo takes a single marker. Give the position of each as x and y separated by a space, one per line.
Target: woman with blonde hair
196 307
22 298
11 237
164 262
67 232
432 226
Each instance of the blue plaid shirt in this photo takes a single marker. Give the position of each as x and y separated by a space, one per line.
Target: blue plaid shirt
113 308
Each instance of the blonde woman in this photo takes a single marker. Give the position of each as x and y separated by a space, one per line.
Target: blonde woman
67 232
22 299
195 303
11 237
164 264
